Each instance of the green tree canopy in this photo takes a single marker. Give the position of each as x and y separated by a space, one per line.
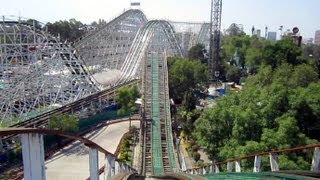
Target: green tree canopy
278 108
68 30
126 97
196 52
64 122
187 78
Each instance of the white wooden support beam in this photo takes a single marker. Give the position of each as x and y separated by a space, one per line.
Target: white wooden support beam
113 161
257 164
200 171
204 171
33 156
216 167
274 162
229 166
108 170
93 164
117 167
238 166
124 167
211 170
315 167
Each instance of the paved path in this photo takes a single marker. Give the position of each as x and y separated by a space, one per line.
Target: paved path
72 162
188 161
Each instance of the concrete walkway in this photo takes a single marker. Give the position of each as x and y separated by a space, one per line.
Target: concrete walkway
186 159
72 162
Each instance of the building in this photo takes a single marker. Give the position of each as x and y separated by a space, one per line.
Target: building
258 33
317 37
307 41
272 36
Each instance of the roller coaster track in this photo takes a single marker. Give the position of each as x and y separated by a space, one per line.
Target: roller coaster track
72 107
145 39
159 153
37 71
154 42
43 119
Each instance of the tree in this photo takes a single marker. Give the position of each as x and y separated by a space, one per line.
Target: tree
67 30
126 97
235 30
197 52
64 122
34 22
233 74
186 79
278 108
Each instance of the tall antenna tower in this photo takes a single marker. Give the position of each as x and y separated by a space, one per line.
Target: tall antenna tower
214 56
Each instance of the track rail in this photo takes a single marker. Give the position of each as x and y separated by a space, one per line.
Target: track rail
74 106
159 156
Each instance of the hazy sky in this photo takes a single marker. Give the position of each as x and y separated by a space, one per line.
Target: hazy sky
272 13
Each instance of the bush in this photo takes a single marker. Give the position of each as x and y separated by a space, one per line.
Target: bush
196 156
195 148
133 129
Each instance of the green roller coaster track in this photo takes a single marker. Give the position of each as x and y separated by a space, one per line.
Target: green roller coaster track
156 138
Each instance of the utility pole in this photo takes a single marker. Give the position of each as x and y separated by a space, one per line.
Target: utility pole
214 54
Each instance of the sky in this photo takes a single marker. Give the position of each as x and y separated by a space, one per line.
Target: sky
260 13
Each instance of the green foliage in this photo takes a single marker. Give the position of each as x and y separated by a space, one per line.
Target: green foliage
277 109
234 30
68 30
64 122
233 74
196 52
196 156
186 120
187 78
281 52
125 145
126 97
251 53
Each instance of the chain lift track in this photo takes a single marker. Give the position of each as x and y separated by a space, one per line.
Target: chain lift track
153 44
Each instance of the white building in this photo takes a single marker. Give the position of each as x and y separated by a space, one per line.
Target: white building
272 36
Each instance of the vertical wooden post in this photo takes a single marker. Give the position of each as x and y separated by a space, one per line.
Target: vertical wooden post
274 162
93 164
204 171
33 156
257 164
315 167
238 166
229 166
116 167
211 170
216 167
109 159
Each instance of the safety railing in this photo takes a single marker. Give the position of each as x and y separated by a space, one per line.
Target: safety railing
273 157
34 159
